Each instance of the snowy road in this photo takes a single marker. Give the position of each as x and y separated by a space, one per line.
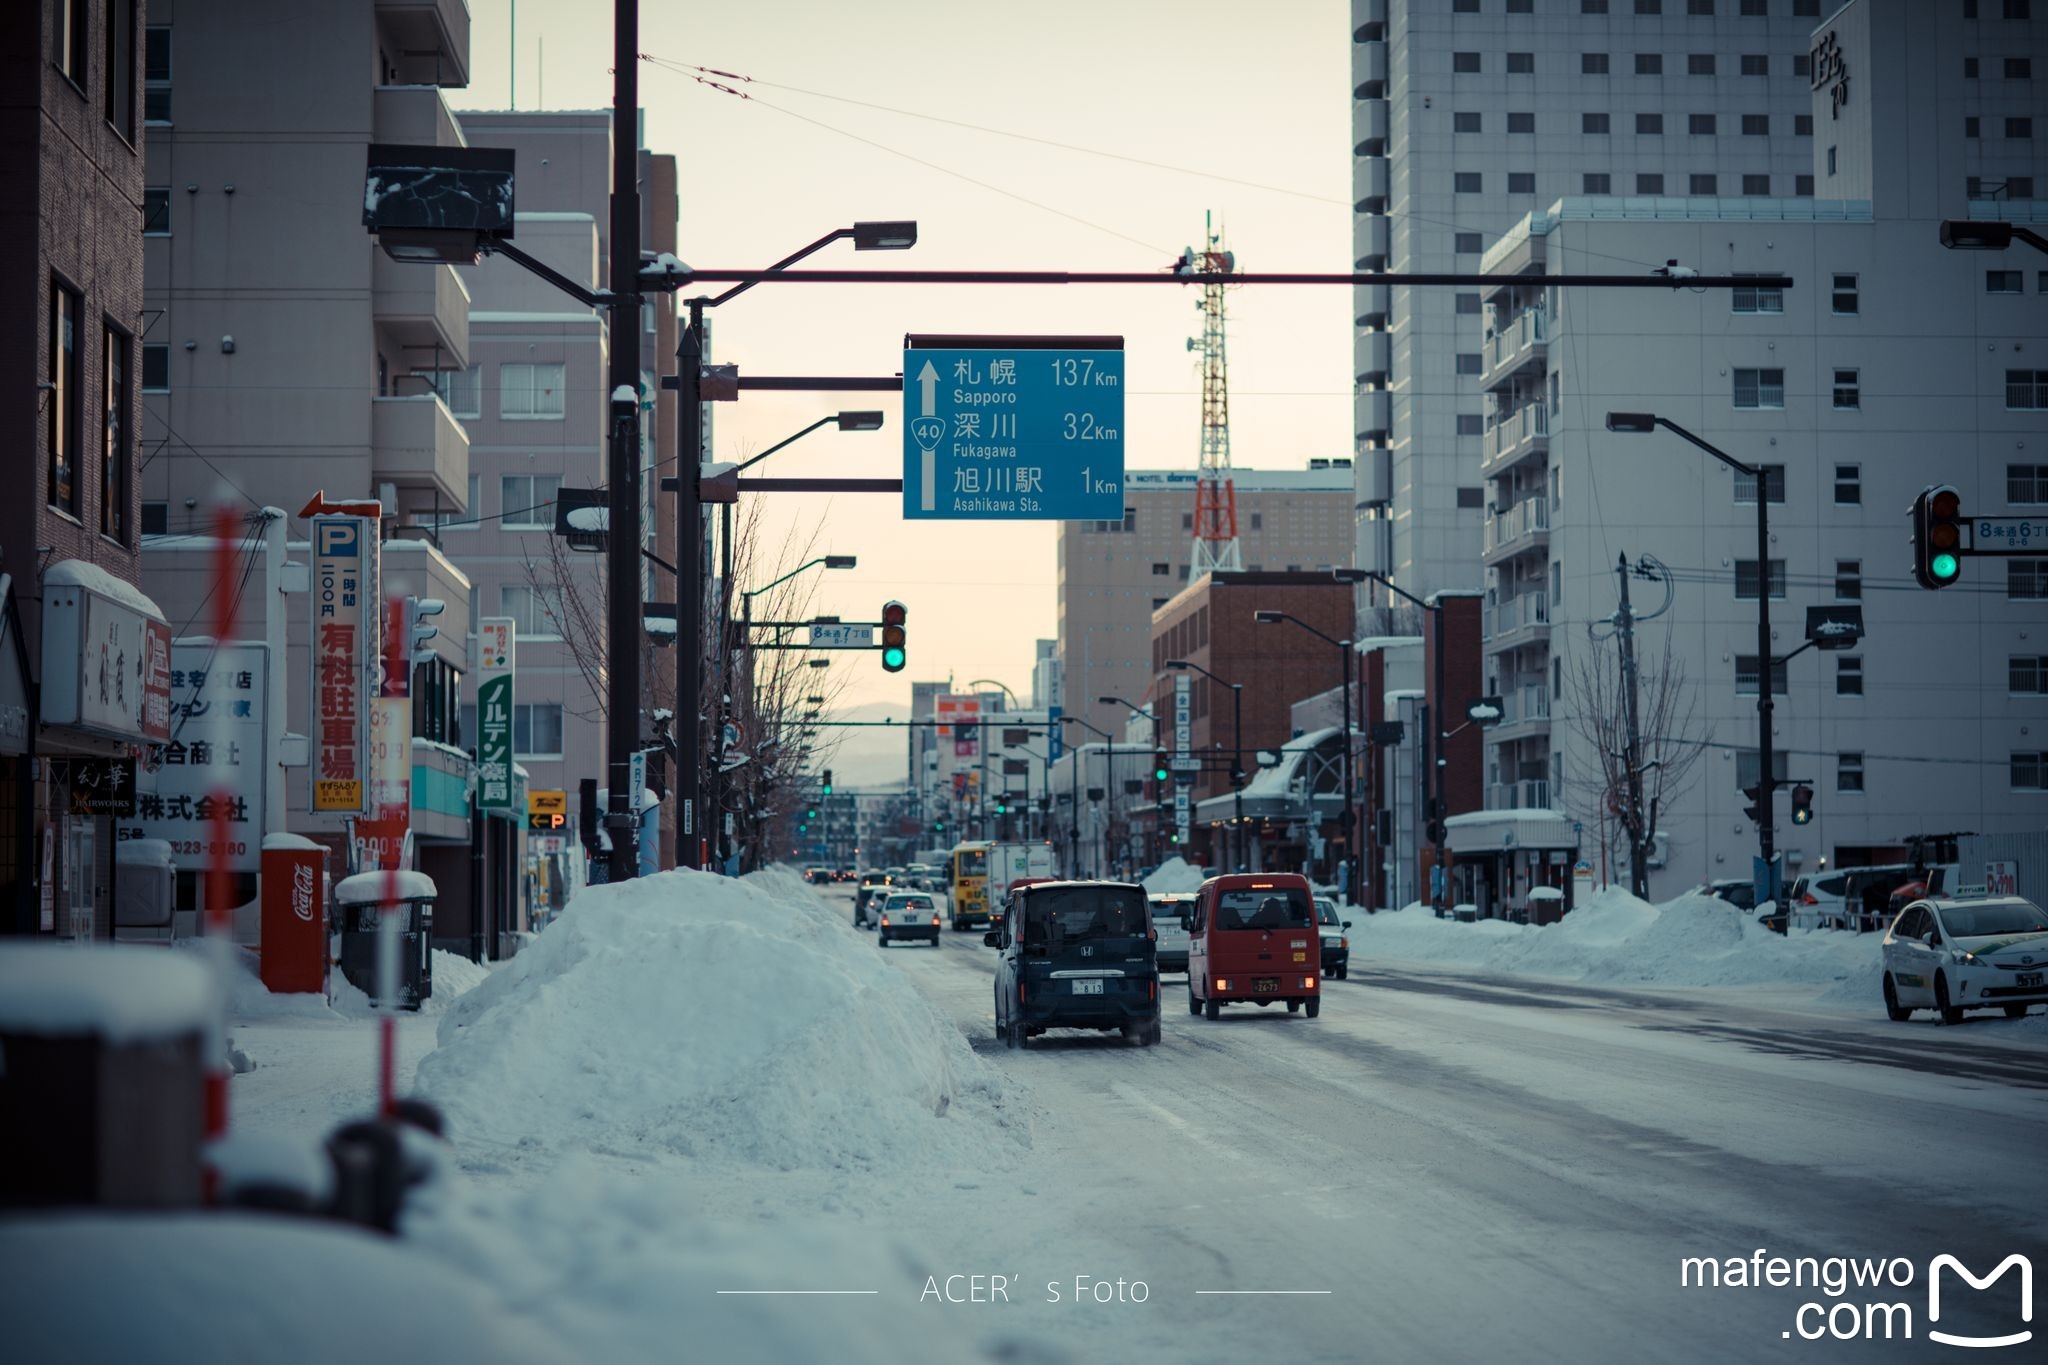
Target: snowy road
1487 1168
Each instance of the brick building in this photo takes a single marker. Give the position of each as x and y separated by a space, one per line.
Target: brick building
70 149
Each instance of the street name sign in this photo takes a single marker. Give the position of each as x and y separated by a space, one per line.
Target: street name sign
1186 765
842 635
1013 428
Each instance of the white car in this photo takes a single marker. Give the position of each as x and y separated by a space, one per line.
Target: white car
1954 955
908 915
1171 937
1336 943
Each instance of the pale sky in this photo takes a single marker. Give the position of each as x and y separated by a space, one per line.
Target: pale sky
1247 92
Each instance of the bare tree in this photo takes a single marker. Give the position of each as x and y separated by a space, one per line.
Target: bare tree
1673 738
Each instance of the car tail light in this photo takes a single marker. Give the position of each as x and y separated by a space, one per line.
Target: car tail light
1151 988
1808 899
885 921
1222 983
1308 983
1021 994
935 919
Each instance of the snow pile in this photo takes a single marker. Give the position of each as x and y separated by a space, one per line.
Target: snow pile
721 1020
454 976
123 993
1175 875
1692 941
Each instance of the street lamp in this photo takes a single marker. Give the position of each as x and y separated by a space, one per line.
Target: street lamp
1108 785
1274 618
1151 714
1434 733
1236 756
1969 234
1638 423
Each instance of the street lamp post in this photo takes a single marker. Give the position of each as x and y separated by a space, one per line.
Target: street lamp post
1637 423
1151 714
1350 826
1108 788
746 638
1434 734
1236 756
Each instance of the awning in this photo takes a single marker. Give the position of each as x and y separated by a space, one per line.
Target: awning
1497 831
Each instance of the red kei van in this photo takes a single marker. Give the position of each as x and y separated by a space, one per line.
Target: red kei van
1252 937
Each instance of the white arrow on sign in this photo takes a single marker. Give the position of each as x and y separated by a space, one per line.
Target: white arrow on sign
928 383
928 430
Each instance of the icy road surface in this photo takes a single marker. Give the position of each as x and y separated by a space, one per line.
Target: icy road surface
1489 1168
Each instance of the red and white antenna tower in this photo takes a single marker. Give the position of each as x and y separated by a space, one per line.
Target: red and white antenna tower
1215 544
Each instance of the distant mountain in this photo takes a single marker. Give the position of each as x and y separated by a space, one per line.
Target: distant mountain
870 756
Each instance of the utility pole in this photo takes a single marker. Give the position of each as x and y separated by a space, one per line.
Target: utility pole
689 722
1625 626
622 540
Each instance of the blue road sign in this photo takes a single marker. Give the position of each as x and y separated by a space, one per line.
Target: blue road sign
1013 434
1055 742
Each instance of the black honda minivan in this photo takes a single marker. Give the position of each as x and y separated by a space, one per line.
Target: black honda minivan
1076 955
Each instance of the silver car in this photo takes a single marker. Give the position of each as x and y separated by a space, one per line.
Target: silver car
1171 934
908 915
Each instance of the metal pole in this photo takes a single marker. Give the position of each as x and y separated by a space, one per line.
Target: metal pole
1766 780
689 721
1350 818
1638 877
1237 772
1436 757
623 625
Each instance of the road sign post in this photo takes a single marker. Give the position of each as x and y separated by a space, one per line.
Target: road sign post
1013 428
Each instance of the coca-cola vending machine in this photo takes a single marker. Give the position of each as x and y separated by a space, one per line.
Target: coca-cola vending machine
294 950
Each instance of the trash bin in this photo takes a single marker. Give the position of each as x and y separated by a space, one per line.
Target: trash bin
1465 912
359 901
1546 905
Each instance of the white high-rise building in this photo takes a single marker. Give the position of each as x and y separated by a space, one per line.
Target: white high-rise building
1890 364
1468 114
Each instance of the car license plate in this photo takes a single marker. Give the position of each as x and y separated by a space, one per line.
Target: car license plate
2029 979
1301 957
1087 988
1265 985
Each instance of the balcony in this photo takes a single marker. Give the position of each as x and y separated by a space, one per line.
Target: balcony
416 443
1369 183
1371 354
423 307
1373 409
433 35
1369 70
1533 794
1369 128
1521 342
1523 527
1524 711
1521 433
1516 622
1373 302
1369 238
415 115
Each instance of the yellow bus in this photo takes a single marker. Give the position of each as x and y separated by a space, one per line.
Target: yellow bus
967 881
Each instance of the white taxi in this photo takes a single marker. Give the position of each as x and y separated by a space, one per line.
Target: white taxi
908 916
1988 952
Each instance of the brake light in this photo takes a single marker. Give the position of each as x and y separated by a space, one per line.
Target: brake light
935 919
1151 988
1308 983
1808 899
1222 983
1262 886
885 921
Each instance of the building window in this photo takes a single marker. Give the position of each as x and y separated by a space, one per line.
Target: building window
1465 7
530 393
1746 671
1470 499
1649 125
1802 64
1849 771
1759 388
156 518
1756 64
1592 123
461 390
72 20
1158 602
1187 521
537 617
1806 9
1649 183
156 75
1748 765
1258 521
1161 570
1131 519
1521 123
67 399
447 520
1754 9
1756 125
2019 68
2019 9
1747 298
1702 185
2026 390
1969 68
2026 675
1848 675
120 99
2029 770
1521 182
115 458
1699 64
2026 580
2019 127
1848 390
1649 63
1702 8
1465 123
1521 6
1849 485
526 502
1592 63
1467 244
2026 485
1774 485
537 729
1700 125
1468 362
1596 182
156 367
1758 186
1466 182
1468 303
1649 6
1745 580
2005 282
1848 580
1802 125
1802 186
1521 63
156 213
1973 126
1465 62
1845 300
1471 424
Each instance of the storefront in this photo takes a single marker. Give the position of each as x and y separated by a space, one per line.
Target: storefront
1499 856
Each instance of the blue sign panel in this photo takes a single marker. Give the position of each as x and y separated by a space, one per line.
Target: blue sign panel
1013 435
1055 742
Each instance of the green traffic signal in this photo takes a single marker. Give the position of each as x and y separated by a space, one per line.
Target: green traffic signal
892 659
1945 567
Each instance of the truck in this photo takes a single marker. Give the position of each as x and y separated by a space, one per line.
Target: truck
984 872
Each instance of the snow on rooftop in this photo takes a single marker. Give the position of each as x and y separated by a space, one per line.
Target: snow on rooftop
624 394
1377 642
143 853
589 518
76 573
371 888
660 625
120 992
290 841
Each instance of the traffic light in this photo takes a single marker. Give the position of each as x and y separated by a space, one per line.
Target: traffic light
811 813
938 826
419 614
828 781
1802 805
1160 772
1937 536
892 636
1002 806
1754 810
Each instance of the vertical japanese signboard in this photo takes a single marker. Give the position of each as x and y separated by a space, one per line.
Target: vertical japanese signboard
344 651
959 717
1183 737
380 835
497 638
215 753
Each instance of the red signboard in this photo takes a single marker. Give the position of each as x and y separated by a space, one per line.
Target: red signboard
156 680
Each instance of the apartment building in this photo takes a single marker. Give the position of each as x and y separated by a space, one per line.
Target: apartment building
1114 575
1891 364
1045 673
71 135
1468 114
